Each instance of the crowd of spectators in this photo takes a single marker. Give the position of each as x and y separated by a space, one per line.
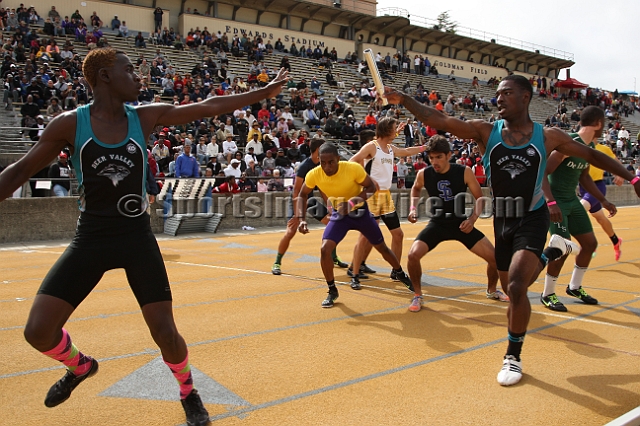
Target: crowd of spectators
258 147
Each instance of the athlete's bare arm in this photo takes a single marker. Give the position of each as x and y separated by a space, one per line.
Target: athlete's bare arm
472 129
473 185
554 160
367 152
590 186
60 133
556 139
407 152
165 114
415 196
301 207
297 184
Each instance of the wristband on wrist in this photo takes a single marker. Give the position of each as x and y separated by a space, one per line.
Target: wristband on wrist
352 204
634 180
551 203
412 208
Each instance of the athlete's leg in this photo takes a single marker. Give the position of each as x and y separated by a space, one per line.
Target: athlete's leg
523 271
603 221
388 255
45 333
600 217
391 258
588 244
396 241
326 259
486 251
159 319
283 246
595 208
48 315
418 250
553 271
360 251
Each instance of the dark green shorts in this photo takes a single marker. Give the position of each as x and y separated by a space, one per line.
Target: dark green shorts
575 219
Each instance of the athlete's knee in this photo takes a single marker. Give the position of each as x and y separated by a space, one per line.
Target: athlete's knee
414 257
517 291
39 336
165 334
397 232
327 248
589 246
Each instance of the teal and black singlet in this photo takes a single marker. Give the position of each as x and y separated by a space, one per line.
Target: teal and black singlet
113 229
517 172
111 178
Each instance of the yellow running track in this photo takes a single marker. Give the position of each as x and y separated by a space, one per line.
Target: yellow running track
265 353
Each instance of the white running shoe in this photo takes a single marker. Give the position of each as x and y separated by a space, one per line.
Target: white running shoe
511 371
566 246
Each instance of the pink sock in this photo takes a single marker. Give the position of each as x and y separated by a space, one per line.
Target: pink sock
67 353
182 373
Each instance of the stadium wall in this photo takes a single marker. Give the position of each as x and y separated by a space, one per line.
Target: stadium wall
268 33
44 219
461 68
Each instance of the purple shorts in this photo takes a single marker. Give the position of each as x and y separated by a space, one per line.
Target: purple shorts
358 220
595 204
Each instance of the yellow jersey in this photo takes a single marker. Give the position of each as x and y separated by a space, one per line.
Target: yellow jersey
596 173
346 183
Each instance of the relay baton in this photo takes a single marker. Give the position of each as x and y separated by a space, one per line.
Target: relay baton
375 74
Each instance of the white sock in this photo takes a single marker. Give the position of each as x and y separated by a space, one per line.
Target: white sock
576 277
549 285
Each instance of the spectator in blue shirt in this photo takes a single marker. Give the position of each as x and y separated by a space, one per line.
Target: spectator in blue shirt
186 165
115 23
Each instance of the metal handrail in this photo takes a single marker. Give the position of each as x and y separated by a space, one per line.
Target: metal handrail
479 34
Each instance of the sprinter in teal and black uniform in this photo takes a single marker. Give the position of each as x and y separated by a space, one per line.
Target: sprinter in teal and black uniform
515 150
107 140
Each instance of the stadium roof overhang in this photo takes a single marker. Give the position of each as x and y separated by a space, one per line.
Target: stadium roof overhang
397 26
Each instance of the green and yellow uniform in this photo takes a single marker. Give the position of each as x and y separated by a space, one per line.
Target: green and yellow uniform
564 182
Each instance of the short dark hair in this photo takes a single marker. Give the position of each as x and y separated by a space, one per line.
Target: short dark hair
329 148
366 136
591 115
315 144
521 82
439 144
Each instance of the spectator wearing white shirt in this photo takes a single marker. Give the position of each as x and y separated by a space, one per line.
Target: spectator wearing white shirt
123 30
623 134
250 155
160 153
233 169
288 116
229 147
365 95
310 117
213 150
257 149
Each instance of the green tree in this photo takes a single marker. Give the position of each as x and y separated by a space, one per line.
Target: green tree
445 23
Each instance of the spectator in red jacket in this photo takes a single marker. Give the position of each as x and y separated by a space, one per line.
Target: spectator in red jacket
229 186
